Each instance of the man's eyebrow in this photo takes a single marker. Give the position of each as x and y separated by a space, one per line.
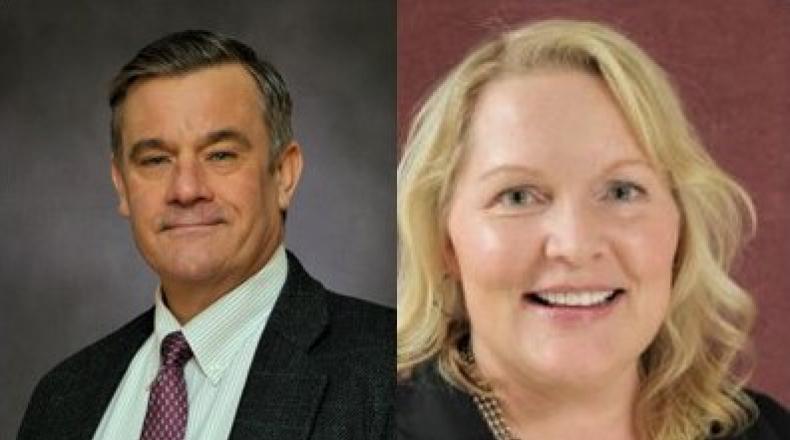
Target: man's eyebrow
145 144
225 134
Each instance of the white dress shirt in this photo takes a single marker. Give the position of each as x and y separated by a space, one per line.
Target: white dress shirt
223 338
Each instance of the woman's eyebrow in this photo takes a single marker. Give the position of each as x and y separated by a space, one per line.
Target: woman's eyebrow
521 169
510 169
628 162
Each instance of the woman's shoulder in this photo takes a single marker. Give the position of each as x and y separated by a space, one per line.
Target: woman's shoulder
772 423
428 407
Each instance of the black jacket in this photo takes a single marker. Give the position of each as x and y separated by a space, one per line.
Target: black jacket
324 369
428 408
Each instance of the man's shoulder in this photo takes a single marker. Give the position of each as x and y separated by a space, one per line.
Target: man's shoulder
79 386
360 328
352 323
366 319
95 358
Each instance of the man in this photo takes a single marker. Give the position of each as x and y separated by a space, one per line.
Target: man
242 343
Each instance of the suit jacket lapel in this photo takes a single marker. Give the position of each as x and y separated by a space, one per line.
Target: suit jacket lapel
82 406
284 390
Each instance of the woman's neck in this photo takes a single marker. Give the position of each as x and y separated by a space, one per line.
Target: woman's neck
563 411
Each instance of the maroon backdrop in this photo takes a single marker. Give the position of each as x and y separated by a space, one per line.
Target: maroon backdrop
731 64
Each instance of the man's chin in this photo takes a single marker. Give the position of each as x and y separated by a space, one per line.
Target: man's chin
191 271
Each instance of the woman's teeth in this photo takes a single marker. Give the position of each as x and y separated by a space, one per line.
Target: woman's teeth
576 299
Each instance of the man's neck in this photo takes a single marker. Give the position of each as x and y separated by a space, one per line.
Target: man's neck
188 298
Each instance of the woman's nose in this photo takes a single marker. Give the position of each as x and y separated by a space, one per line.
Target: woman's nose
572 235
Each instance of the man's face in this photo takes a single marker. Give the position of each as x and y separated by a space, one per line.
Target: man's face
194 178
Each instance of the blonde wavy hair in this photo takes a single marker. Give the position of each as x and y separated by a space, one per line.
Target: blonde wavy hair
693 371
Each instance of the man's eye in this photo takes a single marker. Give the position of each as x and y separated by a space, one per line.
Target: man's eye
221 155
623 191
152 161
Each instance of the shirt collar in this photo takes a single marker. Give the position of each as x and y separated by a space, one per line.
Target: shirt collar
216 334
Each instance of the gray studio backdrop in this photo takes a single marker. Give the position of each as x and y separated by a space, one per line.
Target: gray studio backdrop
69 271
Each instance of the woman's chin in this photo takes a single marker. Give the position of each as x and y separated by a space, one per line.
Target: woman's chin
573 367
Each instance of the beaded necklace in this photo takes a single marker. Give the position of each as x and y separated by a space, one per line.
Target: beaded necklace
488 405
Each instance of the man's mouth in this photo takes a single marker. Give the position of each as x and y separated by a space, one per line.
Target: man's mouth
190 225
574 299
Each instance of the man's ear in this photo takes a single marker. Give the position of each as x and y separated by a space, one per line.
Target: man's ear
120 187
287 172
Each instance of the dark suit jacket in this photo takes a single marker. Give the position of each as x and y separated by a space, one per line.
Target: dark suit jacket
428 408
324 369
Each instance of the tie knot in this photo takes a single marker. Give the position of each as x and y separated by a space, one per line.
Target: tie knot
175 350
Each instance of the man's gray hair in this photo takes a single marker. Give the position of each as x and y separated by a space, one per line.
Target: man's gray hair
191 50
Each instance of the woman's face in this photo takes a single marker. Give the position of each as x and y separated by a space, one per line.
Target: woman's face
560 231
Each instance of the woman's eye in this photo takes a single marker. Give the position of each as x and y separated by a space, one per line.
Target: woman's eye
517 197
623 191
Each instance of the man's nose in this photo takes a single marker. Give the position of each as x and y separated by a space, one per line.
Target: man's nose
573 235
188 184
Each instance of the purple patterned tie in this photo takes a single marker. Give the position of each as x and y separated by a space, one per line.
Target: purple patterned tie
166 418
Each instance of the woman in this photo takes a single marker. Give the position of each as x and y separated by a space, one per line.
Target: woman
565 243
